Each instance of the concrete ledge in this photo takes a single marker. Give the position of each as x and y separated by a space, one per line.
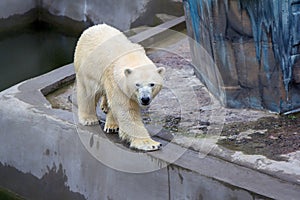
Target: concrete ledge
43 142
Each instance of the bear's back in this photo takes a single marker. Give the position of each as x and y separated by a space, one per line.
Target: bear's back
91 39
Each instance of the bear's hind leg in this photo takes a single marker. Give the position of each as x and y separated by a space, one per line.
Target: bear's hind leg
86 106
110 124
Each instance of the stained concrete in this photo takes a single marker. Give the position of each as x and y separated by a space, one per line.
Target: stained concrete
122 14
38 142
15 7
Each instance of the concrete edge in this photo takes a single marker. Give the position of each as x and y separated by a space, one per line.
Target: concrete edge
237 175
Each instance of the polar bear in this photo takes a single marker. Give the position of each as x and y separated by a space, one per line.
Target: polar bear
110 67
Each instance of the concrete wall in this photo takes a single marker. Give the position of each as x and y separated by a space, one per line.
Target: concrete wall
9 8
123 14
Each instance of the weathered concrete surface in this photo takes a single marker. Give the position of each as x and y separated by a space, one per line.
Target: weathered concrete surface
45 145
42 147
16 14
15 7
255 46
122 14
56 152
112 12
39 142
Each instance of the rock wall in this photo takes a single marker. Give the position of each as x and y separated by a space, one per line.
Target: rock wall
255 48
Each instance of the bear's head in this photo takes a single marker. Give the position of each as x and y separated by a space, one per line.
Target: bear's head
143 83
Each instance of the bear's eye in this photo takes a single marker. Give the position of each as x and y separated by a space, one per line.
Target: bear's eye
151 84
138 85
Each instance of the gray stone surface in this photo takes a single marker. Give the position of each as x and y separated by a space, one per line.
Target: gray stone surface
36 142
188 185
41 146
43 142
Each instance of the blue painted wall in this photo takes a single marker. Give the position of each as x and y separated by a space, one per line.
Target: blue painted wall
256 48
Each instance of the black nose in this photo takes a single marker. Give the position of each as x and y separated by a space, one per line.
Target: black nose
145 100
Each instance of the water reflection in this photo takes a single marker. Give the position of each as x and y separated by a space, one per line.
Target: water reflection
33 51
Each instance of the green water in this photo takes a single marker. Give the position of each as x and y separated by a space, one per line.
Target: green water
33 51
8 195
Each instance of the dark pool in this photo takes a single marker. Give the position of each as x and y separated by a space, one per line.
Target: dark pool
32 51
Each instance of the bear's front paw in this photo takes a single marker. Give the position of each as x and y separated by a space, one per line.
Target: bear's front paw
145 144
111 127
89 120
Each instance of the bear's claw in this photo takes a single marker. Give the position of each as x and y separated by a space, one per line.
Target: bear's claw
145 144
111 128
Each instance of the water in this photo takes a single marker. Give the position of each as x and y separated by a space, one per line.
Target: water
8 195
32 51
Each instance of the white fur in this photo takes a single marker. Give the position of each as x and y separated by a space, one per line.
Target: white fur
108 65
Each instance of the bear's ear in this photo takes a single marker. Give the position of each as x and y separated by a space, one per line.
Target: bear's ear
127 72
161 70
